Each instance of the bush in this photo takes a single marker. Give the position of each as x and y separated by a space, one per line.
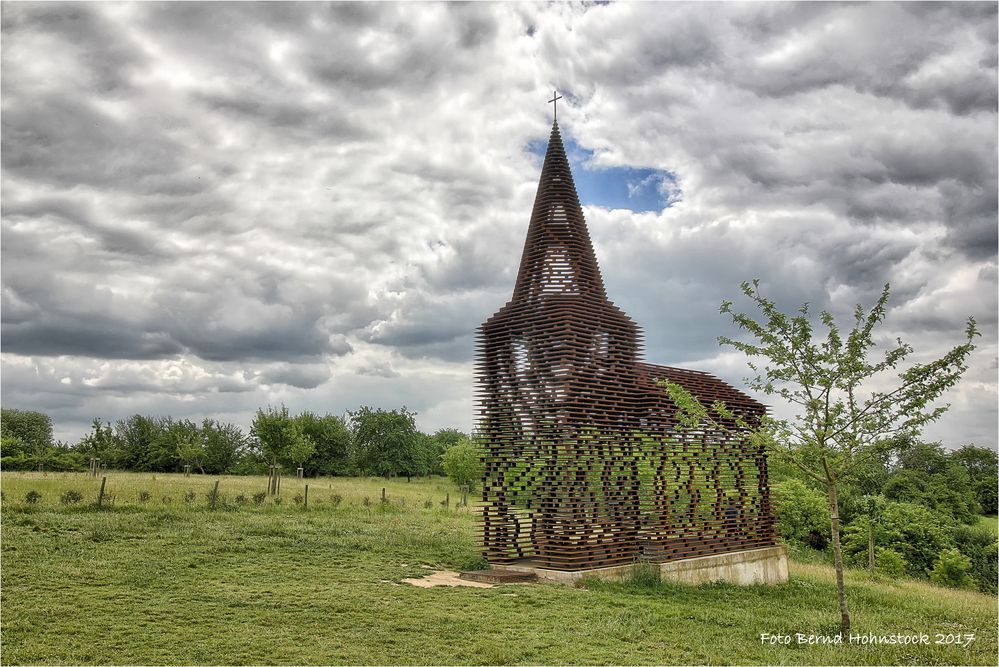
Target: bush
259 498
979 545
952 569
144 497
463 463
298 499
71 497
802 513
889 562
918 534
240 499
32 497
335 500
190 496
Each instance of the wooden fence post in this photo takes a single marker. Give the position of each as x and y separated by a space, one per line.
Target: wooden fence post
464 495
300 472
306 496
215 493
384 500
447 500
100 496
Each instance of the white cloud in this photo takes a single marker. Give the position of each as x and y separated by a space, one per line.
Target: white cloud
209 207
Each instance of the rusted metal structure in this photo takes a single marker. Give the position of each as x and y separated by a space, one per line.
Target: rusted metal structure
584 467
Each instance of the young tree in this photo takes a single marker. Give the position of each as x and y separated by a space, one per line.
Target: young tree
100 442
176 440
331 438
135 437
463 463
441 441
384 440
223 446
276 432
842 422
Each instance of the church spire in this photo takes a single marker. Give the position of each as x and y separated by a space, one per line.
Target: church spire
558 255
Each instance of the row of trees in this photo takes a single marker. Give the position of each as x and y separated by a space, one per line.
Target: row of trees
917 513
367 441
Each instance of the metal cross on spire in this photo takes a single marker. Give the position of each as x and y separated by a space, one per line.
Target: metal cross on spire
554 100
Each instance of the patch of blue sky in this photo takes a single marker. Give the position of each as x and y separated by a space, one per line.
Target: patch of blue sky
637 189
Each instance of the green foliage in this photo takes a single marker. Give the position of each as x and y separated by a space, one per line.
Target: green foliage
463 463
915 532
280 437
982 466
175 440
441 440
802 512
385 441
26 443
332 441
100 442
222 446
978 543
928 475
32 497
842 423
139 445
951 569
71 497
889 562
33 429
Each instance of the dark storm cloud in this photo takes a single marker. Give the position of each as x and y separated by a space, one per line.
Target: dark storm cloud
210 207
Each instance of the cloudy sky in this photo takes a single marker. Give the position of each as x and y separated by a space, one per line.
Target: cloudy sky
209 208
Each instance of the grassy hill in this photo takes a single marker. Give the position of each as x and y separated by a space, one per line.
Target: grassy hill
167 581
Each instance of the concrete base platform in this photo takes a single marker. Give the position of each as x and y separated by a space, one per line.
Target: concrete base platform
744 568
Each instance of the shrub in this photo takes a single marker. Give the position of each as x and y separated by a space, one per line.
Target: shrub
190 496
277 500
463 463
298 499
32 497
428 504
71 497
802 513
335 500
366 502
167 500
915 532
979 545
144 497
240 499
952 569
889 562
259 498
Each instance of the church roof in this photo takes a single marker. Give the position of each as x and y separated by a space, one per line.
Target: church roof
705 387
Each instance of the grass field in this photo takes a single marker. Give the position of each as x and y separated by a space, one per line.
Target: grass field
991 522
177 583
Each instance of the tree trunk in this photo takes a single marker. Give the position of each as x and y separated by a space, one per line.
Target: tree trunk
838 557
870 544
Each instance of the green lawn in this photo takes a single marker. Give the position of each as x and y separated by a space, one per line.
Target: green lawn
991 522
177 583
